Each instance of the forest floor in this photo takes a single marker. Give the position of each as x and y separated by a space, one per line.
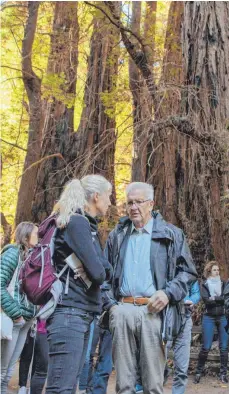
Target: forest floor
208 385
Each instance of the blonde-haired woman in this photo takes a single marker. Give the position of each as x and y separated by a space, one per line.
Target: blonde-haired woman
214 317
15 304
77 234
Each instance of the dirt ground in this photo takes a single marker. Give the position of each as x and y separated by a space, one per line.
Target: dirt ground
208 385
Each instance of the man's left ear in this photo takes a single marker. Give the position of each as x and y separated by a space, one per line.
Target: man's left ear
151 204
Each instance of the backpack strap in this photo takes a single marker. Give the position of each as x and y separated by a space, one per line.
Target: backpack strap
61 272
67 282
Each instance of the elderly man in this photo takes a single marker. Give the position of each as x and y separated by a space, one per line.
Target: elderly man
152 269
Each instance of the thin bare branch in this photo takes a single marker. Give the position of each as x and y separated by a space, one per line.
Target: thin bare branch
14 145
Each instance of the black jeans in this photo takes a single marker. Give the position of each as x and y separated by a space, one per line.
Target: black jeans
40 364
68 332
25 359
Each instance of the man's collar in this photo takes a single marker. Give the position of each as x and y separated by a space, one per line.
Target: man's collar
147 228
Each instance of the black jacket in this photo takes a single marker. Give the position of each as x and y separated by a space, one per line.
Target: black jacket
172 266
81 237
212 307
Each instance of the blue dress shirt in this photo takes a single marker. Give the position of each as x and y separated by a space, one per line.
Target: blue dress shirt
137 276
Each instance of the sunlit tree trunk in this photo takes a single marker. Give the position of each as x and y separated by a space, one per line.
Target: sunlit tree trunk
96 131
33 88
58 137
142 101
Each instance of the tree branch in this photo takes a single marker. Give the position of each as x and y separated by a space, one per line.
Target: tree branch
5 6
183 125
14 145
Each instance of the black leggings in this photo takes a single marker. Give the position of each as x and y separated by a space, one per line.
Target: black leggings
40 365
25 359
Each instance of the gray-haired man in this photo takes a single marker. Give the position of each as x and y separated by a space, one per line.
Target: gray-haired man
142 249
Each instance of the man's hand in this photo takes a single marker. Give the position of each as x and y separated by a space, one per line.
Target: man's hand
188 302
113 307
157 302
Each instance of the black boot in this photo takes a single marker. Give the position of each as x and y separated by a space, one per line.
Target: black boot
203 355
223 366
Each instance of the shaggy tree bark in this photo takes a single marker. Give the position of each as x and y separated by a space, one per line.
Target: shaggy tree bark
142 102
162 150
58 131
206 55
33 88
97 126
201 167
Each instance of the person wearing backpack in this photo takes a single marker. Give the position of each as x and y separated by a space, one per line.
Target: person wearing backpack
77 235
14 304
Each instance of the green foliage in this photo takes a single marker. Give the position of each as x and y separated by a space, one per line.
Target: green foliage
14 117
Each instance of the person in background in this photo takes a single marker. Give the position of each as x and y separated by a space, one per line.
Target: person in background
77 235
18 308
40 360
95 375
212 290
182 344
27 356
226 302
86 371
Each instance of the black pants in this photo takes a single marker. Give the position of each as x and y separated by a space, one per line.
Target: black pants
25 360
40 365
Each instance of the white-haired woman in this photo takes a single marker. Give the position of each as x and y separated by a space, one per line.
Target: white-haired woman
68 328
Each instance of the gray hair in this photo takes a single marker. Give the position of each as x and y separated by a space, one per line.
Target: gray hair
23 233
145 187
76 195
95 184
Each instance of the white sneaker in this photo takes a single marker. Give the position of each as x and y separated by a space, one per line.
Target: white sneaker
22 390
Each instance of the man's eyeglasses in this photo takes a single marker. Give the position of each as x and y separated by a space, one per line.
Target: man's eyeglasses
138 203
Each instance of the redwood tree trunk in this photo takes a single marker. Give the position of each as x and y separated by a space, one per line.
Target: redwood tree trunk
206 54
58 131
142 101
96 131
33 88
163 149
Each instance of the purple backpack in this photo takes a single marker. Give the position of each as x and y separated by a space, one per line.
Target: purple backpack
38 273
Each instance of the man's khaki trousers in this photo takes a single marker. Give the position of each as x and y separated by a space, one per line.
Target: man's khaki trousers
137 347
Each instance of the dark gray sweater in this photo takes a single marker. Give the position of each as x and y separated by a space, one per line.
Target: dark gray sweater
81 237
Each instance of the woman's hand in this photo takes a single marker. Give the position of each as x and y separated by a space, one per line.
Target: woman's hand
19 320
79 273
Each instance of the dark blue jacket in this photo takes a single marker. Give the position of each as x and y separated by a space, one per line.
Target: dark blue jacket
172 266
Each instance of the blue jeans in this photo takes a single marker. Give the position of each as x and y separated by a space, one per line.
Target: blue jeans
181 353
103 366
208 325
83 382
68 332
